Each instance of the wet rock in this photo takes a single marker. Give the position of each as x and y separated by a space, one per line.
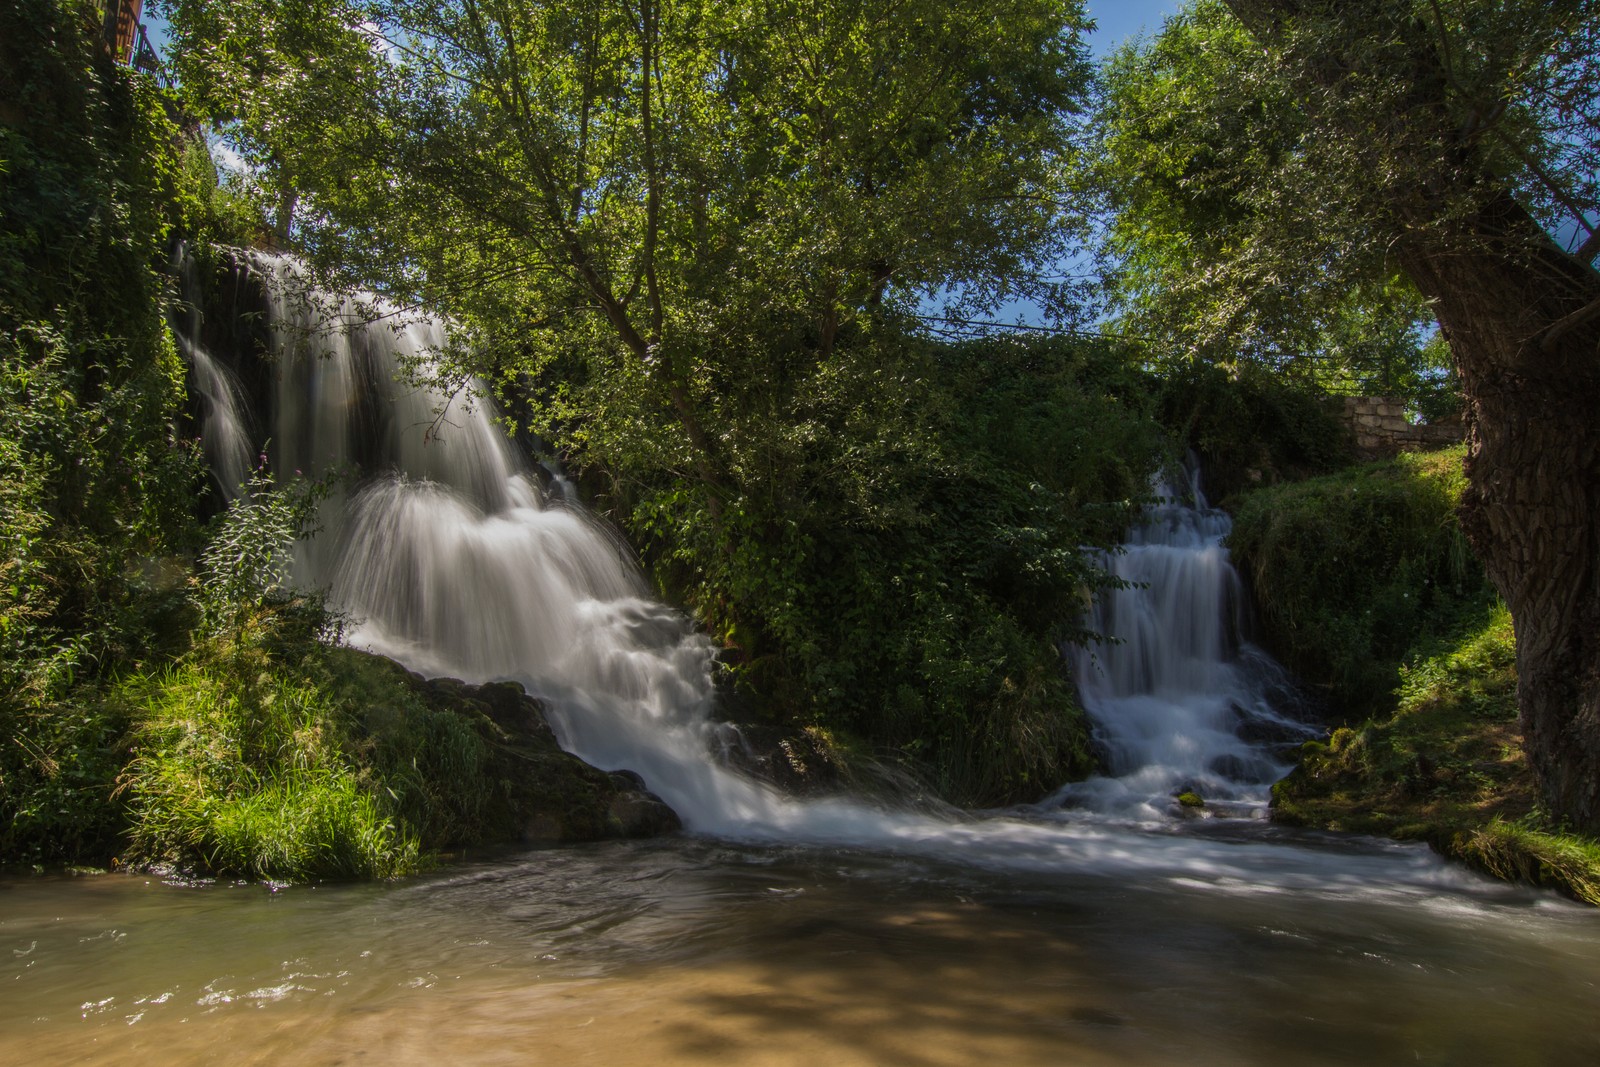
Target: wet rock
627 779
803 762
1243 769
543 794
640 813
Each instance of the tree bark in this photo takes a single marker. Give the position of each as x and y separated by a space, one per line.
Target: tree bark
1515 309
1533 470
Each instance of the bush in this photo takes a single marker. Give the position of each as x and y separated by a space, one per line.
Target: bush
1355 571
1250 427
900 553
95 486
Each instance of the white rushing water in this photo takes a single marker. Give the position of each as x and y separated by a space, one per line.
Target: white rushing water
1181 701
224 418
449 556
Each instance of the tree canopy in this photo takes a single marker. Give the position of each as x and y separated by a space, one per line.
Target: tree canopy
1221 245
664 172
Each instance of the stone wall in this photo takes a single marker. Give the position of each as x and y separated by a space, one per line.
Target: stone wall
1380 428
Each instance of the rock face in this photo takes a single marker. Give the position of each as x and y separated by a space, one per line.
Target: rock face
545 794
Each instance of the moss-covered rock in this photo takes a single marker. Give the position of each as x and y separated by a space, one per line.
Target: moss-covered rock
538 791
266 753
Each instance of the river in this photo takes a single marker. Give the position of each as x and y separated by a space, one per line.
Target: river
698 951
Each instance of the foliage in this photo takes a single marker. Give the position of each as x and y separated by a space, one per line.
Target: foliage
1442 749
1473 97
1194 136
684 238
1528 850
268 754
1443 761
907 553
58 768
1435 129
246 559
1354 570
94 484
1249 426
94 481
241 767
1257 191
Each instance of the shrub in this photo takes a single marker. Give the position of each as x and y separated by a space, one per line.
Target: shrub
1249 426
1353 571
901 551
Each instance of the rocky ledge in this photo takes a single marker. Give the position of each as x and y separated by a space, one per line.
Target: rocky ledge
543 794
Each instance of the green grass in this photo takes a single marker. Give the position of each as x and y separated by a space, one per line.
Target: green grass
1522 853
245 766
1445 766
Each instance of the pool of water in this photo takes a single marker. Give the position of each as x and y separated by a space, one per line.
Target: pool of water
696 951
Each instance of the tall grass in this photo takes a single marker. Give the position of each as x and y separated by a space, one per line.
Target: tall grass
243 767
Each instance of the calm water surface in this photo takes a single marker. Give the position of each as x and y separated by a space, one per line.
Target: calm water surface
689 951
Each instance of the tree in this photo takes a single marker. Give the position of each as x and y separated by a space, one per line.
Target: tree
675 178
1188 127
1451 140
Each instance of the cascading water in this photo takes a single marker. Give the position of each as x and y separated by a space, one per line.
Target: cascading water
1180 701
224 427
447 555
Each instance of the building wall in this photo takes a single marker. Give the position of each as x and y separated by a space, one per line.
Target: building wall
1380 428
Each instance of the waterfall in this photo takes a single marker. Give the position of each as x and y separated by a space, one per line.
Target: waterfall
445 552
1181 702
225 437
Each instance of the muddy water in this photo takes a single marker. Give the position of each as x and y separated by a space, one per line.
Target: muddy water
696 952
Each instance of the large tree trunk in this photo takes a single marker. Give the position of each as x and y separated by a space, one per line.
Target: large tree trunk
1523 321
1533 465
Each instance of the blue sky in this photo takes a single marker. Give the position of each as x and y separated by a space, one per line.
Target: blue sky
1117 20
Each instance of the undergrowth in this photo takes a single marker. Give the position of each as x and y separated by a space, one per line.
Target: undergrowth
243 765
1359 571
1445 766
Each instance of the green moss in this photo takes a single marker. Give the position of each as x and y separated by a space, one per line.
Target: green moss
1190 800
1448 754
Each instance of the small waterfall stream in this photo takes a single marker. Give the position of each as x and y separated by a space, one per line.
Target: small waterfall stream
449 556
1181 701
